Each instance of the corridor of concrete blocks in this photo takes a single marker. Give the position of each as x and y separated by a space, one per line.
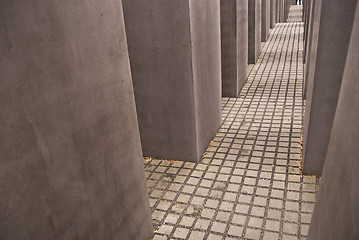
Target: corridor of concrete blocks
248 184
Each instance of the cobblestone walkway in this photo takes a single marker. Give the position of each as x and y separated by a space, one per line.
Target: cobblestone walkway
248 184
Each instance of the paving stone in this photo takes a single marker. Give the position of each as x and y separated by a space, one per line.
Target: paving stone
252 233
187 221
181 232
290 228
235 230
223 216
274 214
197 235
165 229
172 218
202 224
214 237
242 208
255 222
270 236
218 227
239 219
159 237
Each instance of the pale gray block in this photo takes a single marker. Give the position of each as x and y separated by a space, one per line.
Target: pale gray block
336 211
254 30
175 55
234 42
71 162
333 21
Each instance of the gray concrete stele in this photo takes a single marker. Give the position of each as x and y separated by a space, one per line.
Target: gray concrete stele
333 22
234 42
175 55
71 162
254 30
265 25
273 12
336 213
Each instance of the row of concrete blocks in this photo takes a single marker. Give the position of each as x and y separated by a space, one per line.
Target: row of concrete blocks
331 129
186 55
71 160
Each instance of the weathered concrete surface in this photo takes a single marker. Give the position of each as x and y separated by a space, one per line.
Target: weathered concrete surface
234 41
254 30
175 55
273 12
331 32
336 213
265 25
71 164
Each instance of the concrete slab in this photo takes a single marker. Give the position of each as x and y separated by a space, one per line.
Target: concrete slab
234 42
71 162
273 11
332 28
281 14
307 54
175 55
265 20
306 12
336 212
254 30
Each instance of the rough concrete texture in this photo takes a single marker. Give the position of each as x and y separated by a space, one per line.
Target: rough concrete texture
71 164
265 25
175 55
234 41
254 30
333 21
336 214
273 11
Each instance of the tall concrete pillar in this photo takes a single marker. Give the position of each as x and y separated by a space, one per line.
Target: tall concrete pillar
234 41
308 44
175 55
277 11
71 162
333 21
254 30
306 13
336 213
281 17
265 25
273 10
